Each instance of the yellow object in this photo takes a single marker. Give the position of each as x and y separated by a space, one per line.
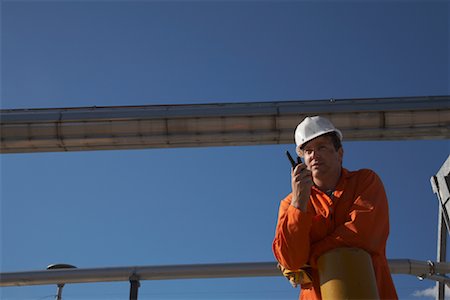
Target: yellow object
300 277
347 273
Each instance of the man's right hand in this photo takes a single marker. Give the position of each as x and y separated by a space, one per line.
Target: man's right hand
302 183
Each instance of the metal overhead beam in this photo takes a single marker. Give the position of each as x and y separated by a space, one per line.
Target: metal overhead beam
423 269
220 124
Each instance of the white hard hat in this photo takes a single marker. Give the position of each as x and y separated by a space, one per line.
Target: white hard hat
312 127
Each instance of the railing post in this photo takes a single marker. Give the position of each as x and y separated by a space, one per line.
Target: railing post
134 287
59 289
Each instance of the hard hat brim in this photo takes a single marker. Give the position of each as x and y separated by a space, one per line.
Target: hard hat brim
300 146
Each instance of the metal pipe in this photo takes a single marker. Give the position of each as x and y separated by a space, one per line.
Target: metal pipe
219 124
134 287
226 270
143 273
59 289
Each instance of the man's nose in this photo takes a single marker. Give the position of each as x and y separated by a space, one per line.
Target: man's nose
315 154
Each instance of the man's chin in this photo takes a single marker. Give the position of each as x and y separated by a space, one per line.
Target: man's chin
317 171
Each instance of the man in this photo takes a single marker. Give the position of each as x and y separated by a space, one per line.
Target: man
330 207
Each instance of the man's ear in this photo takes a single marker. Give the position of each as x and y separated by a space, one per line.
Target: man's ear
299 151
341 154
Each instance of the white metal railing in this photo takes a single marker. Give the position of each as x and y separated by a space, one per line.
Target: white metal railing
141 272
422 269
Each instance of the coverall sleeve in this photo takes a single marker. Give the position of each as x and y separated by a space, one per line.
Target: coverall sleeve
291 245
368 225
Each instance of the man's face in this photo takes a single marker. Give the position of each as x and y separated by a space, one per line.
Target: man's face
321 157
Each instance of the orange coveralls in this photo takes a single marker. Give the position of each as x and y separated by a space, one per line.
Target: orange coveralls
357 216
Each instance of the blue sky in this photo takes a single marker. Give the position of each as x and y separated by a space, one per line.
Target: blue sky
204 205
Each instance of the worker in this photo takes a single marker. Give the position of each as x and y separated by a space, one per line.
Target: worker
330 207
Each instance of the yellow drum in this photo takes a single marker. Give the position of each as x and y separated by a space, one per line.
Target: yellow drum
347 273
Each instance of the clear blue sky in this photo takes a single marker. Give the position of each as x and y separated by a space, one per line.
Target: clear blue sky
204 205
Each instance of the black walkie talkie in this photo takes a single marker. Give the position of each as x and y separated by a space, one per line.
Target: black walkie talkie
293 163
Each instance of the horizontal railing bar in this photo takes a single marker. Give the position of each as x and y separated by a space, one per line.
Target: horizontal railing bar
424 269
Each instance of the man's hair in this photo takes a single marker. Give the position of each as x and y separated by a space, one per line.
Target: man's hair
334 139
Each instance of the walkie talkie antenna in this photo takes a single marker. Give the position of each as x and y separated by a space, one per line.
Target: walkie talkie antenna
293 163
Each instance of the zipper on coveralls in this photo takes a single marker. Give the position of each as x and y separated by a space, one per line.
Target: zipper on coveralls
331 208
